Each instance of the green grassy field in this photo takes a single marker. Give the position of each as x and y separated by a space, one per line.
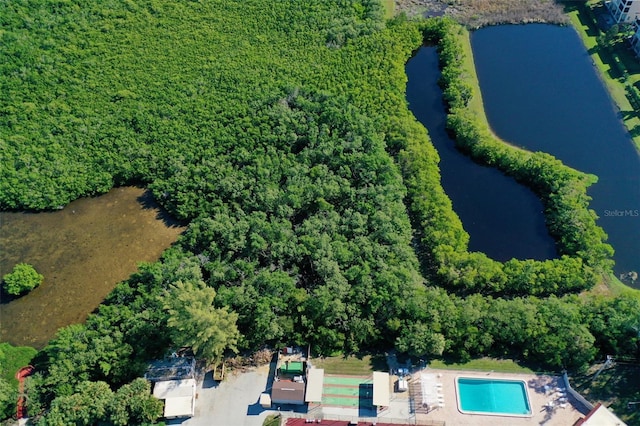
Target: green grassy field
475 104
272 420
389 8
13 358
351 365
483 364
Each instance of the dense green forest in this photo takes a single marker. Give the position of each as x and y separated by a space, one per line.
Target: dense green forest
280 131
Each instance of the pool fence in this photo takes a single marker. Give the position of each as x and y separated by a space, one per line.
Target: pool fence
575 395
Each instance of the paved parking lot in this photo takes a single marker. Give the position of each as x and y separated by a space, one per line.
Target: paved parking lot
233 402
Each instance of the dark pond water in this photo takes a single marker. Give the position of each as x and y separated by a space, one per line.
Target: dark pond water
542 92
83 251
503 218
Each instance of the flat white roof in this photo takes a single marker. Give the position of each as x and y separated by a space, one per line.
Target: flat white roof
178 395
181 406
174 388
601 416
315 380
265 399
380 389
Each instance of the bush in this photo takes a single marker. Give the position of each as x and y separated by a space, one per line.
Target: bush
22 279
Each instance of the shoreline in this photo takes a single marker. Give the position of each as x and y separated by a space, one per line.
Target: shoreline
614 87
474 15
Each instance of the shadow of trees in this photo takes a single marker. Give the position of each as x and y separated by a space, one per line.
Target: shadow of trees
147 201
617 387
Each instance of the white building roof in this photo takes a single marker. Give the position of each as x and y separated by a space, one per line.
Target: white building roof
181 406
315 381
178 395
174 388
265 400
380 389
601 416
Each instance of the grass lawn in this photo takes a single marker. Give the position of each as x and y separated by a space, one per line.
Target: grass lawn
389 8
475 104
603 60
483 364
13 358
618 288
351 365
272 420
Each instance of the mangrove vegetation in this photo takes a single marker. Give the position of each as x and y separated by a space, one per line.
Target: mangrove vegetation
280 132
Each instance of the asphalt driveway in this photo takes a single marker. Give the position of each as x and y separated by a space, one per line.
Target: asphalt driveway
233 402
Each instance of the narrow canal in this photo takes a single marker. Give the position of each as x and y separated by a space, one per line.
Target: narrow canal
541 92
503 218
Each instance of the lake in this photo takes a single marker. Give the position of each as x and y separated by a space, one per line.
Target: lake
83 251
503 218
541 92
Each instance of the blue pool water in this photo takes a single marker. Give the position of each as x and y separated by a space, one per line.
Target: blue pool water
496 397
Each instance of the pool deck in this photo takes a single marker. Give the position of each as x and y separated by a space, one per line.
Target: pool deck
541 390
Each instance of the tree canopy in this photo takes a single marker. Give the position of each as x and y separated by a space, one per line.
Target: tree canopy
194 322
21 279
281 132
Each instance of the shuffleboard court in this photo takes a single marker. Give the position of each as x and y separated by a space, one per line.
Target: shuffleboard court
342 402
351 391
345 380
348 391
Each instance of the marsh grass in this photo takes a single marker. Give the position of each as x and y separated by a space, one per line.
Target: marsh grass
479 13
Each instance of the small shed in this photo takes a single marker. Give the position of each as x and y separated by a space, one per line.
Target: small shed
265 400
287 392
178 395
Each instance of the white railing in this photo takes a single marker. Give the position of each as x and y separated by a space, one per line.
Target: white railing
581 399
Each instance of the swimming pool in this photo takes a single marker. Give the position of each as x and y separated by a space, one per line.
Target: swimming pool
496 397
